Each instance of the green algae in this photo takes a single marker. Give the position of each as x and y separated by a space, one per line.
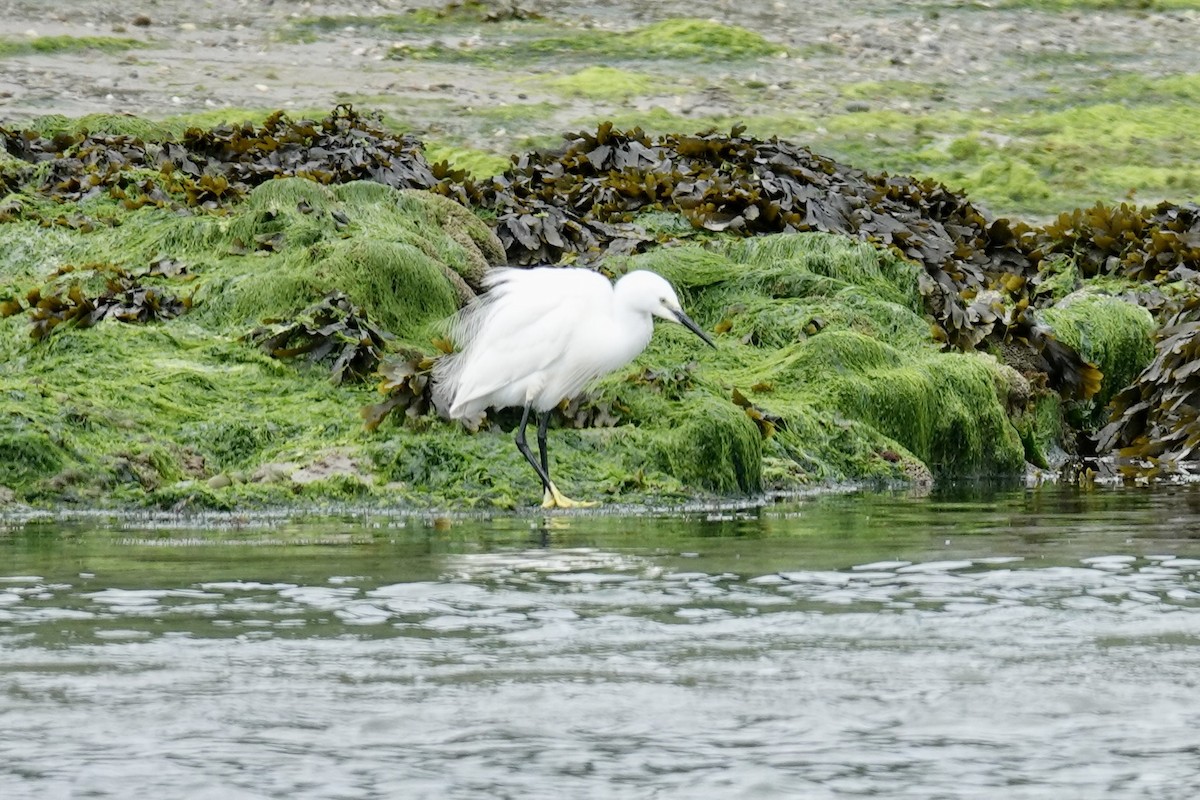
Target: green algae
778 288
666 40
511 113
117 413
1111 332
405 257
695 38
1145 90
11 46
715 447
606 83
107 396
113 124
864 395
1040 161
867 380
1041 427
26 455
1010 184
309 29
477 163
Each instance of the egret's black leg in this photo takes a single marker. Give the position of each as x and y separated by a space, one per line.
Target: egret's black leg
523 446
543 424
552 497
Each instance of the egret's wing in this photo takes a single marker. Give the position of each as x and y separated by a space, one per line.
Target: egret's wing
522 325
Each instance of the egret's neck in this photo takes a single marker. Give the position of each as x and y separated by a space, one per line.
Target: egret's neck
632 326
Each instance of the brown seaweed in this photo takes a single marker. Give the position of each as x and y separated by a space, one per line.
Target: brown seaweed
124 299
766 422
1155 423
334 331
210 168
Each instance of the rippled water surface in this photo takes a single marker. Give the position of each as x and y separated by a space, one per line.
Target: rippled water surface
1041 644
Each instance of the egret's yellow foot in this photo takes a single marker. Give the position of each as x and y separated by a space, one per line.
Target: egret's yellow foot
553 498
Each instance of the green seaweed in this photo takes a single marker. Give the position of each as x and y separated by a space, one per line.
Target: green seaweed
1111 332
1041 426
477 163
843 396
606 83
670 39
715 447
11 46
400 256
87 406
1105 147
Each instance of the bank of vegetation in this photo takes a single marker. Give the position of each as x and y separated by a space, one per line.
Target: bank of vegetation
247 313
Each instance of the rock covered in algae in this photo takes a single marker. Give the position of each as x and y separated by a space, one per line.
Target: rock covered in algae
826 370
715 446
118 412
826 335
1113 333
823 335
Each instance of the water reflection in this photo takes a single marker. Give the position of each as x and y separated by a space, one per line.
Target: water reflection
1027 645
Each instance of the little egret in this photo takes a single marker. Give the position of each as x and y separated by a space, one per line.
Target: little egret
539 336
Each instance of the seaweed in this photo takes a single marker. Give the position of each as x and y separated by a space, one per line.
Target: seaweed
278 217
1155 423
124 299
766 421
672 383
406 383
1156 244
333 330
13 46
674 39
215 167
982 283
342 147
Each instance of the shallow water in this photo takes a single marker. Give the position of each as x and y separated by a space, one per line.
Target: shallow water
1041 644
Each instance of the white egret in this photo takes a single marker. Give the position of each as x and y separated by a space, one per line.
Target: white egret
539 336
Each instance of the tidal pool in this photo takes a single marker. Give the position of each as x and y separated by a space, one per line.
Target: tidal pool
1027 644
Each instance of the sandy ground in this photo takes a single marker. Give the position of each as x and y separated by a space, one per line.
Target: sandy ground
215 54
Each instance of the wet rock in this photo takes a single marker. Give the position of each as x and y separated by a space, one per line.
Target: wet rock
220 481
274 472
327 467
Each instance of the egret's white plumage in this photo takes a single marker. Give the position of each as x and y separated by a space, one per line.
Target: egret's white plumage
539 336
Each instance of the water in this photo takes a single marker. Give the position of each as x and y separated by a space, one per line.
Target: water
1039 644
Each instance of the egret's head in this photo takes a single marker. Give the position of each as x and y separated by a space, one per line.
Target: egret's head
651 293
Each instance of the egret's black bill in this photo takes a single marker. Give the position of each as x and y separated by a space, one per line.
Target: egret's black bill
686 322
